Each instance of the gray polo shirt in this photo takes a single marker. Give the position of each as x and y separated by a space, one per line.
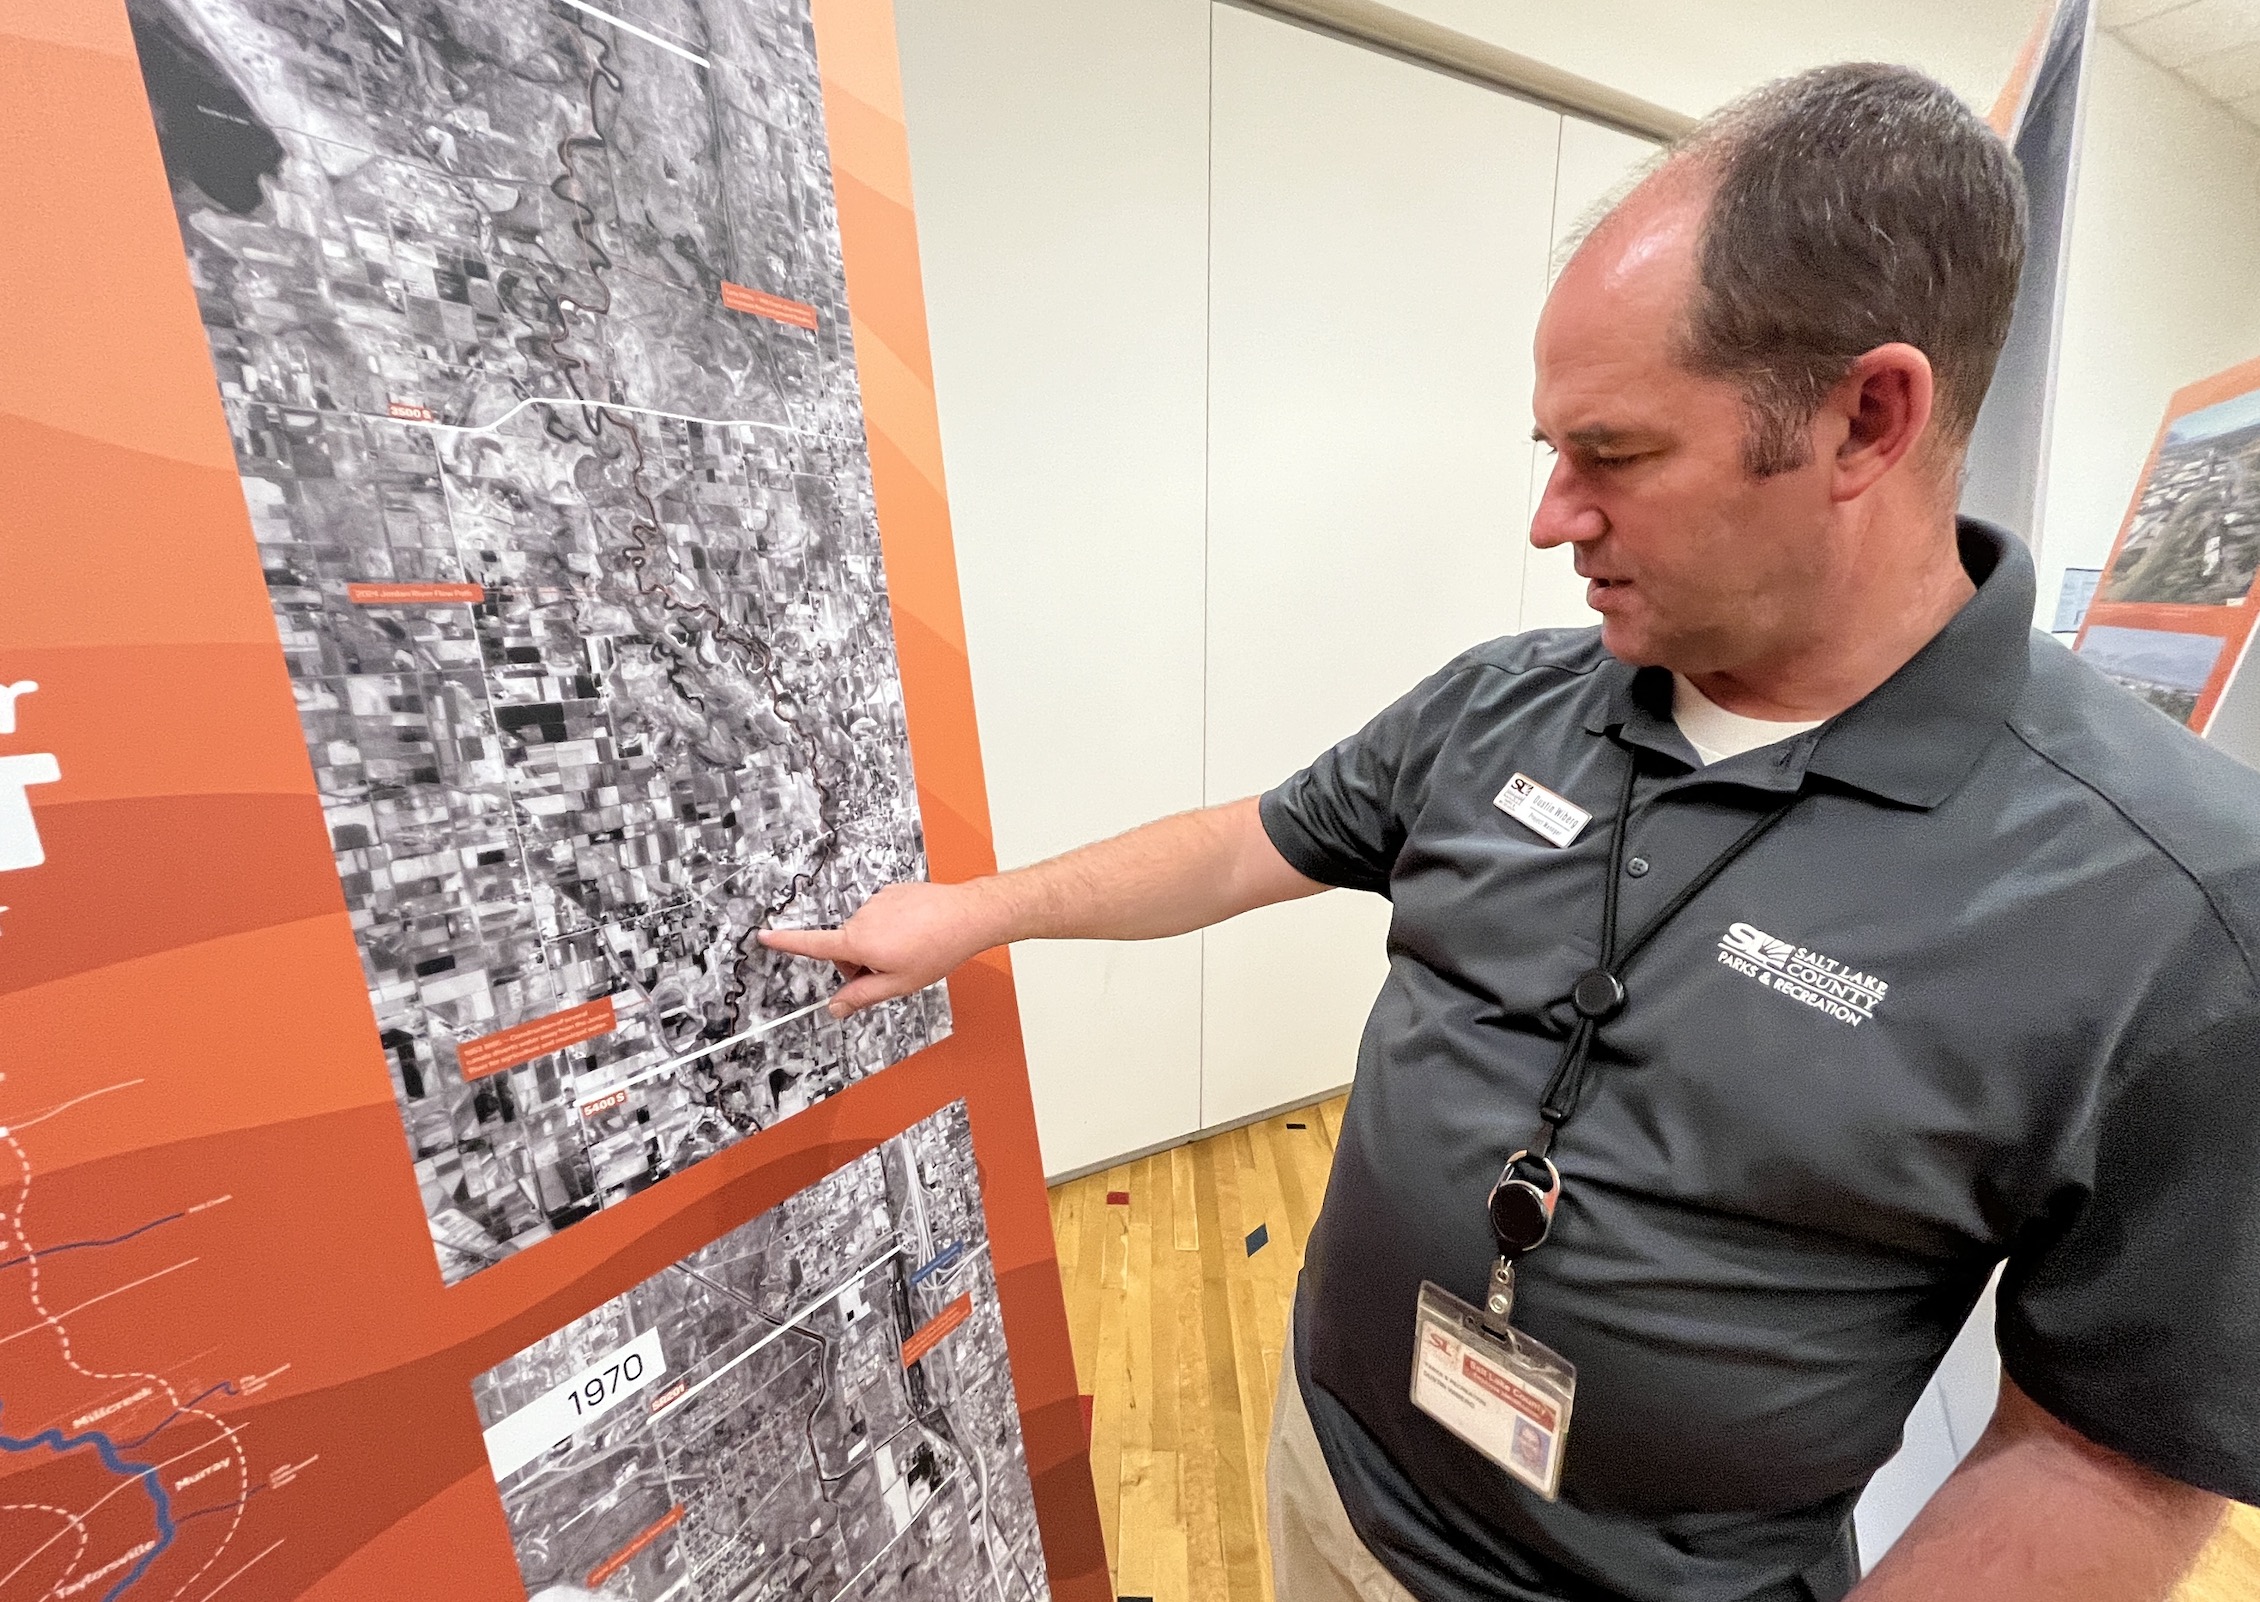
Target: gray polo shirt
1986 993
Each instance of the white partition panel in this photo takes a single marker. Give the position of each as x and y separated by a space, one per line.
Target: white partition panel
1594 161
1060 156
1378 254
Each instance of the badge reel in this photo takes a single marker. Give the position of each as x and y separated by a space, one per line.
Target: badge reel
1502 1392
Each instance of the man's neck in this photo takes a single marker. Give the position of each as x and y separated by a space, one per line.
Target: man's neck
1869 633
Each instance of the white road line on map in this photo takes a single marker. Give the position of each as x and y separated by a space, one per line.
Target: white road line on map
830 1295
568 403
52 1319
64 1107
237 1575
582 1099
622 23
931 1499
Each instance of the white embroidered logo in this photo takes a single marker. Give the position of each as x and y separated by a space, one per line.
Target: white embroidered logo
1821 983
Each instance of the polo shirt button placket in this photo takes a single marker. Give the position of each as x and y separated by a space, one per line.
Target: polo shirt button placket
1637 867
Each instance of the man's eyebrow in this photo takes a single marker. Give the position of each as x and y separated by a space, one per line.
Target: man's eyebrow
1593 437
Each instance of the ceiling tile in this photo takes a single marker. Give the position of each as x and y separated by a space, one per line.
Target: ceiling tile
2118 13
2230 76
2192 32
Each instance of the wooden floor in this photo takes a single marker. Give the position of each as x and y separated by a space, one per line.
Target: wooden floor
1179 1305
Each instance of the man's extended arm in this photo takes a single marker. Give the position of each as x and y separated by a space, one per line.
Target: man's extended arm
1181 873
2039 1513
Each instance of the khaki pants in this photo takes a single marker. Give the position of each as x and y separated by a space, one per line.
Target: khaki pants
1315 1555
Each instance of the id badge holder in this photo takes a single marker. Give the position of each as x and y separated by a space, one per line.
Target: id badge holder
1502 1392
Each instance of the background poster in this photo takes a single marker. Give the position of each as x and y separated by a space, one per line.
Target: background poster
2172 615
229 1363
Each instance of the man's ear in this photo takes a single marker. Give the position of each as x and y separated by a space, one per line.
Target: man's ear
1885 401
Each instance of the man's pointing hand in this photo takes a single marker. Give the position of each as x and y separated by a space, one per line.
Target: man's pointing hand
903 939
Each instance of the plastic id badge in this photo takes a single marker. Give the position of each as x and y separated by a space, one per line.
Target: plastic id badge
1509 1399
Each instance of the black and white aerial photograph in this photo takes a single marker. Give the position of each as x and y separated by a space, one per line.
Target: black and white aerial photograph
530 327
818 1405
2195 540
2164 667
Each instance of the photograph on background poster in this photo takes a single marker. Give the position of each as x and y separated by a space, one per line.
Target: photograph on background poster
2195 539
818 1405
2166 668
531 332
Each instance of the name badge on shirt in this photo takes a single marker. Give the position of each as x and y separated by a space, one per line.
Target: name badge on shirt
1543 813
1509 1397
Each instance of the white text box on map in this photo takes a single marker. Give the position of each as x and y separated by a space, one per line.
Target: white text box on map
565 1409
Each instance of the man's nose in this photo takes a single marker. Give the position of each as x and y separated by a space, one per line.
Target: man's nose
1565 515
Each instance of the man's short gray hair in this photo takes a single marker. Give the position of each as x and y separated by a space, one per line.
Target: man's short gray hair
1850 207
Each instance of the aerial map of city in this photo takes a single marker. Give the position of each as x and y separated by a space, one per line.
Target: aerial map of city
818 1405
2195 536
530 326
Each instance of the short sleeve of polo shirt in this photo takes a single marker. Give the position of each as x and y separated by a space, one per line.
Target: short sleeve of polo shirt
1343 819
2134 1316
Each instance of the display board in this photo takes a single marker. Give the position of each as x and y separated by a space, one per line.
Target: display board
2040 112
476 554
2172 616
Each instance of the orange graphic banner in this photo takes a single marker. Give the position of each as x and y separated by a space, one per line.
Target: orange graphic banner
536 1037
936 1329
760 303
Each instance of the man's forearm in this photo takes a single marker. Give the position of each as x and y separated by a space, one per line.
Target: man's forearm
2038 1514
1170 876
1182 873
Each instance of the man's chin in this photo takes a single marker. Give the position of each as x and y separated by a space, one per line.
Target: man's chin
1629 643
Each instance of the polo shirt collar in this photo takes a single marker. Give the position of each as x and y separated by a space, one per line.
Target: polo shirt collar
1916 736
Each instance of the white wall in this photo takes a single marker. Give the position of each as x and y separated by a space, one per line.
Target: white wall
1690 58
1060 155
1379 236
2162 288
1231 328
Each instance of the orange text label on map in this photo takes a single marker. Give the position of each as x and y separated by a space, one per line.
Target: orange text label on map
536 1037
763 304
930 1336
415 594
626 1555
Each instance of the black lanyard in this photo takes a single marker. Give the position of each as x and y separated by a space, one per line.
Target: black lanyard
1521 1207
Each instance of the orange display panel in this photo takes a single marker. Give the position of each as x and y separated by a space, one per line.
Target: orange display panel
2173 612
231 1363
575 568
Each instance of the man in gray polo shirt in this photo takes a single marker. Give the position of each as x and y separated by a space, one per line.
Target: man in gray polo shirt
1843 936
